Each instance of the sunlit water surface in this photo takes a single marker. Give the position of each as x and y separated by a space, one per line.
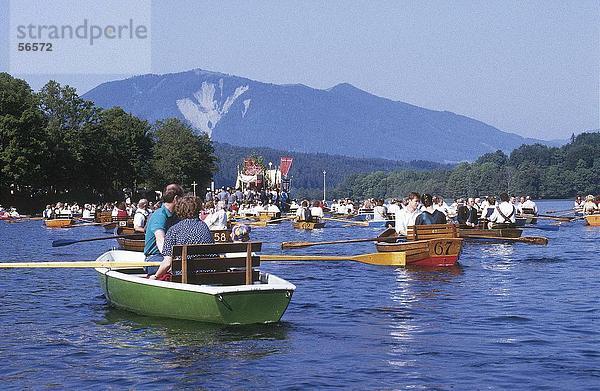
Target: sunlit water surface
509 317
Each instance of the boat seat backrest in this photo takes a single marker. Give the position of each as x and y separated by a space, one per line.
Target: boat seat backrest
528 211
221 235
216 263
432 231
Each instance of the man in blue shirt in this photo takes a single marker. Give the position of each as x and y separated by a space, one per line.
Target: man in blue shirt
160 221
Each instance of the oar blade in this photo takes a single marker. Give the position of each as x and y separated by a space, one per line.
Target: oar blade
383 259
63 242
296 244
534 240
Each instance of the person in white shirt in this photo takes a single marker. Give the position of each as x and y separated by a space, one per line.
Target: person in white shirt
141 216
316 211
504 214
87 212
528 206
407 216
272 208
394 208
379 211
218 219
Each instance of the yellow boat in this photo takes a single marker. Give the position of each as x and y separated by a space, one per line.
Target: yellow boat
308 225
593 220
268 216
58 223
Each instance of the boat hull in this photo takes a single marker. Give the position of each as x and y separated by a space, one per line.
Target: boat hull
308 225
268 216
264 302
495 232
593 220
430 253
58 223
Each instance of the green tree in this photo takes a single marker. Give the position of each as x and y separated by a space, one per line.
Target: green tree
181 156
22 139
72 131
129 148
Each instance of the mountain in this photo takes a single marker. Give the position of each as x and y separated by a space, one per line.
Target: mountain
342 120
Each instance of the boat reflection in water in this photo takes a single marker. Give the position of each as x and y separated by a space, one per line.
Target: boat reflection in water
418 291
194 344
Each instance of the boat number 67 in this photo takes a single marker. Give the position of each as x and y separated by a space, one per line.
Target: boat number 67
442 248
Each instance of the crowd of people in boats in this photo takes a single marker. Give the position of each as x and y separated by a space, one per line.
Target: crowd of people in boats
222 205
180 218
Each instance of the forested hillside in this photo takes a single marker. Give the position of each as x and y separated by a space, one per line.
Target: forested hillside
307 168
536 170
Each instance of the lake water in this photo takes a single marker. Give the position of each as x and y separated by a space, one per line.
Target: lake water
509 317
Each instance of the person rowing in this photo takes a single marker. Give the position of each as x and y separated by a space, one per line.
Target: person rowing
407 216
504 215
303 212
429 214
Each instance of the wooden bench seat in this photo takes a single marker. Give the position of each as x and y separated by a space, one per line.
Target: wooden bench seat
206 263
433 231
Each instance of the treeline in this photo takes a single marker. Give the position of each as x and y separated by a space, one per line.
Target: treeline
307 168
536 170
55 145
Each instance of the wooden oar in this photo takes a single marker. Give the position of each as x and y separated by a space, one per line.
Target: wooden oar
542 227
361 223
555 218
308 244
564 210
64 242
389 235
78 264
83 225
525 239
264 223
381 259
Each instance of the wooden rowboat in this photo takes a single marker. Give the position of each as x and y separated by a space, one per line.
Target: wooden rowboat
131 244
268 216
593 220
58 223
264 300
494 232
128 222
103 217
308 225
430 253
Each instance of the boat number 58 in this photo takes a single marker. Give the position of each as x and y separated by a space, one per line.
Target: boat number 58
442 248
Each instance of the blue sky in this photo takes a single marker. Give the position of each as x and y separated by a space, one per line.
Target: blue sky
527 67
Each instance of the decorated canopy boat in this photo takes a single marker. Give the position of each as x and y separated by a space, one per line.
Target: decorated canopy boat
226 289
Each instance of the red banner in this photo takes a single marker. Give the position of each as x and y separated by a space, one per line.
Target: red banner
286 164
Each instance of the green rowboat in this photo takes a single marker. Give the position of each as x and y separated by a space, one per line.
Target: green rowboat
264 301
